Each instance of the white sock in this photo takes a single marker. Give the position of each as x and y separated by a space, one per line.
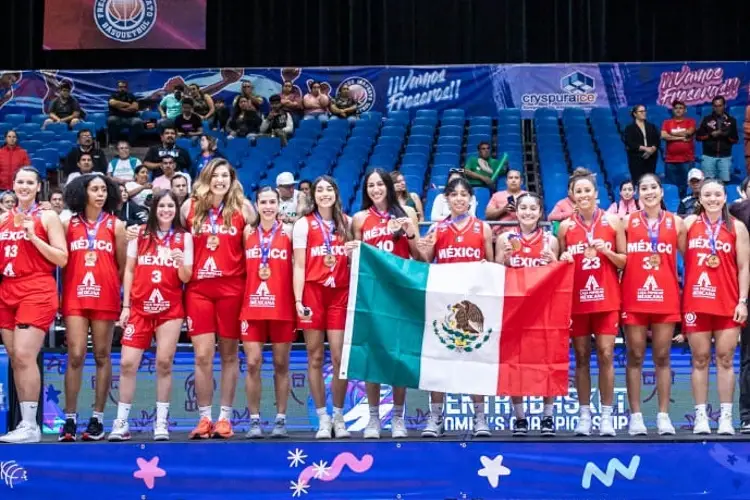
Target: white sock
281 416
374 412
726 408
28 412
205 412
225 413
338 412
479 410
398 411
662 414
321 412
436 410
549 409
700 410
584 411
72 416
123 411
606 411
162 411
255 416
99 416
518 410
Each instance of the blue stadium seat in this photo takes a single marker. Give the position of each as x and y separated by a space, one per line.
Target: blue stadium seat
426 113
58 128
425 122
548 113
452 113
15 119
451 130
453 121
370 116
422 130
393 132
420 139
480 121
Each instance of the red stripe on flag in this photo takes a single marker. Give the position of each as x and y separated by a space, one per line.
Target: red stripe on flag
534 352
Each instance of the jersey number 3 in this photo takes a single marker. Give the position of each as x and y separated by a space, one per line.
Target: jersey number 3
155 276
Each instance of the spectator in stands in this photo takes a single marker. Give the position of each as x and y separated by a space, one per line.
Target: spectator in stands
566 207
343 106
406 198
718 132
305 186
641 142
170 106
278 123
123 113
203 103
164 181
64 109
221 115
679 154
245 121
140 190
480 169
181 187
167 148
209 151
502 205
291 201
122 168
12 158
315 104
291 102
129 212
687 204
746 129
85 145
627 204
85 166
8 201
440 208
58 204
188 124
255 102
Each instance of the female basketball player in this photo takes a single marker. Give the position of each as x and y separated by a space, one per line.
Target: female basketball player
91 291
714 300
595 242
216 215
321 292
383 222
268 308
651 297
459 238
33 244
159 261
530 246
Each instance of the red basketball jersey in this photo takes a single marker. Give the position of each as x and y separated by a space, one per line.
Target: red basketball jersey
19 257
648 287
157 287
92 284
710 290
272 298
530 252
454 245
595 284
375 232
315 269
226 260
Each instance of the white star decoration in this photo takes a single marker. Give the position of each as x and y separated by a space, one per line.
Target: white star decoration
321 469
492 469
296 457
298 488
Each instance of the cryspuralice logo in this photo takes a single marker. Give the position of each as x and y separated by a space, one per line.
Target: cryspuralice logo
125 20
361 90
578 89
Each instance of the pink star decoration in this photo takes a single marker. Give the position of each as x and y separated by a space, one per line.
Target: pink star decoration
149 471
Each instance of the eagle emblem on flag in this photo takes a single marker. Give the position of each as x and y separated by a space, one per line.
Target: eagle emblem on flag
462 328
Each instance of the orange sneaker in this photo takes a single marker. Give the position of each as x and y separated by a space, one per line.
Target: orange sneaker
223 429
203 431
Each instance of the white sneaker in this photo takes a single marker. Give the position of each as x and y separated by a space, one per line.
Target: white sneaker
24 433
607 427
339 427
434 428
324 428
161 431
398 428
664 424
584 426
372 431
120 431
481 429
700 425
637 427
726 426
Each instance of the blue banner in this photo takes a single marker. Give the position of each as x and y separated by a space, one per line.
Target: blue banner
480 90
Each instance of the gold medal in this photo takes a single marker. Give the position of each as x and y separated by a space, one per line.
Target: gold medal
394 226
515 242
264 272
213 242
90 259
713 261
589 253
654 259
329 260
18 219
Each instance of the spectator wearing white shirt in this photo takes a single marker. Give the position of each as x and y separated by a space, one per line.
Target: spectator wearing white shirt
140 190
441 209
122 168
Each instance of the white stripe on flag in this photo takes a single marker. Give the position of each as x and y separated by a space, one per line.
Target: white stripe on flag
350 310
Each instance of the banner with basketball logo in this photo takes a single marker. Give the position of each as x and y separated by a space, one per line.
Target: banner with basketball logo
124 24
474 328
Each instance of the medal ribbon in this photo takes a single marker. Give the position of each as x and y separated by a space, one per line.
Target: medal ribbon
383 215
167 238
91 231
653 229
213 217
31 211
712 231
326 232
589 230
265 244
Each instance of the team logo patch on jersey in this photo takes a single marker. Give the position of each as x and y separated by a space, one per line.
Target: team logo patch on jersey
243 326
129 332
125 20
462 329
690 319
361 91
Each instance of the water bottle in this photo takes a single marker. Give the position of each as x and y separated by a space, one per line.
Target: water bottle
2 398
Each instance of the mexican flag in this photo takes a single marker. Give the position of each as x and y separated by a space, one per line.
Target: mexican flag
474 328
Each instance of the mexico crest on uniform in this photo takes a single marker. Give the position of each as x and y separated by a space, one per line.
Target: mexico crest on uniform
462 329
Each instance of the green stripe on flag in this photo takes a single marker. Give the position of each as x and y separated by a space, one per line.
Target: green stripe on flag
385 318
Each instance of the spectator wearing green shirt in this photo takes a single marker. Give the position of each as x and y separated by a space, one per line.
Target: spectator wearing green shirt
171 107
480 169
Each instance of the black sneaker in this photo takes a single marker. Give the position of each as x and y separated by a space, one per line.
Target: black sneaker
548 427
745 427
94 431
520 427
68 432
